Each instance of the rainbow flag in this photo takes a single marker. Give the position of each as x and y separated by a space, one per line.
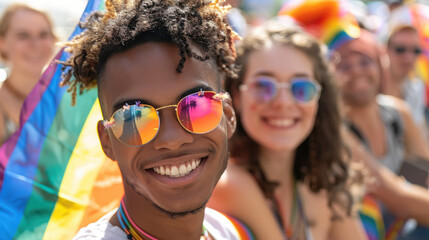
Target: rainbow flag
377 226
420 18
371 218
54 177
327 20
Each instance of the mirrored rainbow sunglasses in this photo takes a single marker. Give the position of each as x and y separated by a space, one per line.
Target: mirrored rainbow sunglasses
138 124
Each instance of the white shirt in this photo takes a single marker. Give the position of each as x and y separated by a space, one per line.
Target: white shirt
220 227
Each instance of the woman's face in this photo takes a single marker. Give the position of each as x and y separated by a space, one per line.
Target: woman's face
28 43
280 123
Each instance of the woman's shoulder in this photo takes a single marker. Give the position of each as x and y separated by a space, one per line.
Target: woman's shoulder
239 195
237 180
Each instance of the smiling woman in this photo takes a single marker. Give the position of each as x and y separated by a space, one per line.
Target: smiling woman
26 45
289 175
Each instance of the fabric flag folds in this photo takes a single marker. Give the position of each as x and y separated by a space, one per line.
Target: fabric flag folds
54 177
327 20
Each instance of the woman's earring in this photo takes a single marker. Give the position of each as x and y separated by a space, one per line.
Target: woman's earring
3 74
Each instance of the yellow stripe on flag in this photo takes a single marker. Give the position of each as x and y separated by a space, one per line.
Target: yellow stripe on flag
76 187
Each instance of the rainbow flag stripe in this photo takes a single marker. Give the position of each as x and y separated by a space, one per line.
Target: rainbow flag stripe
376 226
420 19
371 218
327 20
54 177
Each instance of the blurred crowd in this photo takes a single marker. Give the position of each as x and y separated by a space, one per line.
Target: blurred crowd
358 76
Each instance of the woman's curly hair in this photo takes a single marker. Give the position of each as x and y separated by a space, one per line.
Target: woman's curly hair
127 23
320 160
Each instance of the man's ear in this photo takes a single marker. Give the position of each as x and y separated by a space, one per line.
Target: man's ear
106 144
231 120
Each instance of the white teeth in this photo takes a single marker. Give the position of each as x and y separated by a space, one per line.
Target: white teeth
281 122
174 171
183 169
178 171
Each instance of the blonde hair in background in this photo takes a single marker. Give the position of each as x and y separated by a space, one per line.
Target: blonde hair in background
12 10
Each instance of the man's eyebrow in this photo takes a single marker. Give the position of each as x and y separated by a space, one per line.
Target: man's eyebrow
122 102
194 90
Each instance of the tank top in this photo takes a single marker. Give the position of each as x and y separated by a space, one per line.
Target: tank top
394 135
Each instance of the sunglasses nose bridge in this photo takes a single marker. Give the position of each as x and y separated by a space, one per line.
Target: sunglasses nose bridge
171 134
168 106
285 85
286 96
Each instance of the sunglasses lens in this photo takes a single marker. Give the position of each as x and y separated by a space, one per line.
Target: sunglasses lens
417 51
136 125
264 89
304 90
400 50
200 112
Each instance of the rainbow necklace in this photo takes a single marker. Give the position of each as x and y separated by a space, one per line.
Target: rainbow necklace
132 230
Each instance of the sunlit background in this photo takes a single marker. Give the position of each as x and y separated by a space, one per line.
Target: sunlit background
65 13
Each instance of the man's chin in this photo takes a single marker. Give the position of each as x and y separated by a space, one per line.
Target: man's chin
360 102
175 213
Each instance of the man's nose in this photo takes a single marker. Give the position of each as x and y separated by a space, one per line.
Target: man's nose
171 135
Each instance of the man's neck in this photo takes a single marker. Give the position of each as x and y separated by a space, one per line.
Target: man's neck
159 224
363 115
396 84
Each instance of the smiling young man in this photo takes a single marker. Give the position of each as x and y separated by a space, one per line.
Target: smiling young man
158 66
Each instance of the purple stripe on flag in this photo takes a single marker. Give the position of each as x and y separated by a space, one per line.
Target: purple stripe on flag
27 109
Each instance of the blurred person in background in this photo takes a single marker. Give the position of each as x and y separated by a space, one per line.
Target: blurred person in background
27 43
288 175
383 124
403 50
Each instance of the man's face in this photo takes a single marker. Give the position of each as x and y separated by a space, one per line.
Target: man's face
403 50
358 78
146 73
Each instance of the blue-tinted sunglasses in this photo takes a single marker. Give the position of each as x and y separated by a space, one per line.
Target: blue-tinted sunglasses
303 89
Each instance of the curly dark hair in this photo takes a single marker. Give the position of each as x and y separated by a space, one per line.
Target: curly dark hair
320 160
128 23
